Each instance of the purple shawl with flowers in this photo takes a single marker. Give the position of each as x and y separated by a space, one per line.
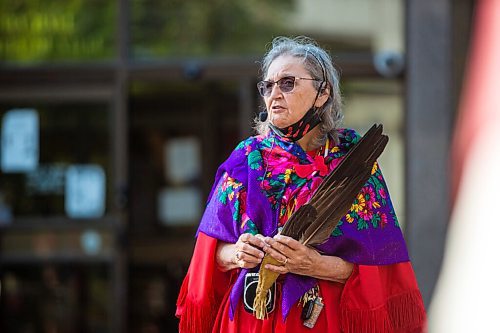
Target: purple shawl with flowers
265 179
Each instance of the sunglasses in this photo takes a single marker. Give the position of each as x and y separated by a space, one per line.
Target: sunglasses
286 85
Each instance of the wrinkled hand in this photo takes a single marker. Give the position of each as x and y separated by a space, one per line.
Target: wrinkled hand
296 257
248 251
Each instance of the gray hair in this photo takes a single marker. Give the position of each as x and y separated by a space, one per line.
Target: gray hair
320 65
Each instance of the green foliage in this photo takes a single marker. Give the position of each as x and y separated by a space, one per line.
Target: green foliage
51 30
205 27
81 30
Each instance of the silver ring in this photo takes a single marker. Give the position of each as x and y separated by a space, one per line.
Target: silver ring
237 256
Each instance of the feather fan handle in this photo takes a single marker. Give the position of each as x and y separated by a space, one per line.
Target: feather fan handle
315 221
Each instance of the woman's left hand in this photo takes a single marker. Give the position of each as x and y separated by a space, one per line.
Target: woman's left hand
296 257
304 260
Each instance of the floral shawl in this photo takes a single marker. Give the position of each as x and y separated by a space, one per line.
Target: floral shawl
266 179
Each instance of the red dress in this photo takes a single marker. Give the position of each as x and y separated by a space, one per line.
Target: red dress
374 299
377 298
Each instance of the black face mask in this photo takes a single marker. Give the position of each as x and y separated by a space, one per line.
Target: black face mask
296 131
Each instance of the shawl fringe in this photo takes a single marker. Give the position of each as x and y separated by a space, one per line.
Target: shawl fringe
199 297
198 316
407 311
194 316
401 313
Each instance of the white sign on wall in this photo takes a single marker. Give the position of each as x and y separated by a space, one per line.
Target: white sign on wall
182 159
85 191
20 141
179 206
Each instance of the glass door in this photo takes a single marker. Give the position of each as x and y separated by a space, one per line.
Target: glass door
179 133
57 212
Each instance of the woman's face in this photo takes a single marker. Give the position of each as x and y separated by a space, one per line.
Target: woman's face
286 109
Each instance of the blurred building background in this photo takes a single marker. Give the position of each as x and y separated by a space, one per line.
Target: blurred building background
116 113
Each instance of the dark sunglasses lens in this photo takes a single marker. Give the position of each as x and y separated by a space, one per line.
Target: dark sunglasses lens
265 88
287 84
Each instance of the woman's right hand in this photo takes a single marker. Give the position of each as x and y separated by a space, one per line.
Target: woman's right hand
247 252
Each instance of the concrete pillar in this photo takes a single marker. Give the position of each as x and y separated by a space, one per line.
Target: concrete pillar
428 123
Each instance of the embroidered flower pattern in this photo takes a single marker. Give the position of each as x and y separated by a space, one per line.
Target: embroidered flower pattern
366 208
286 190
231 191
374 168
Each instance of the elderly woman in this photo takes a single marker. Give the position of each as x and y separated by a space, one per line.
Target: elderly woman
360 280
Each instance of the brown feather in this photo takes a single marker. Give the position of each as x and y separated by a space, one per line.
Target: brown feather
314 222
304 216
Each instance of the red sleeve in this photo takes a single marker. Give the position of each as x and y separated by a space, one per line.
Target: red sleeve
382 299
200 297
